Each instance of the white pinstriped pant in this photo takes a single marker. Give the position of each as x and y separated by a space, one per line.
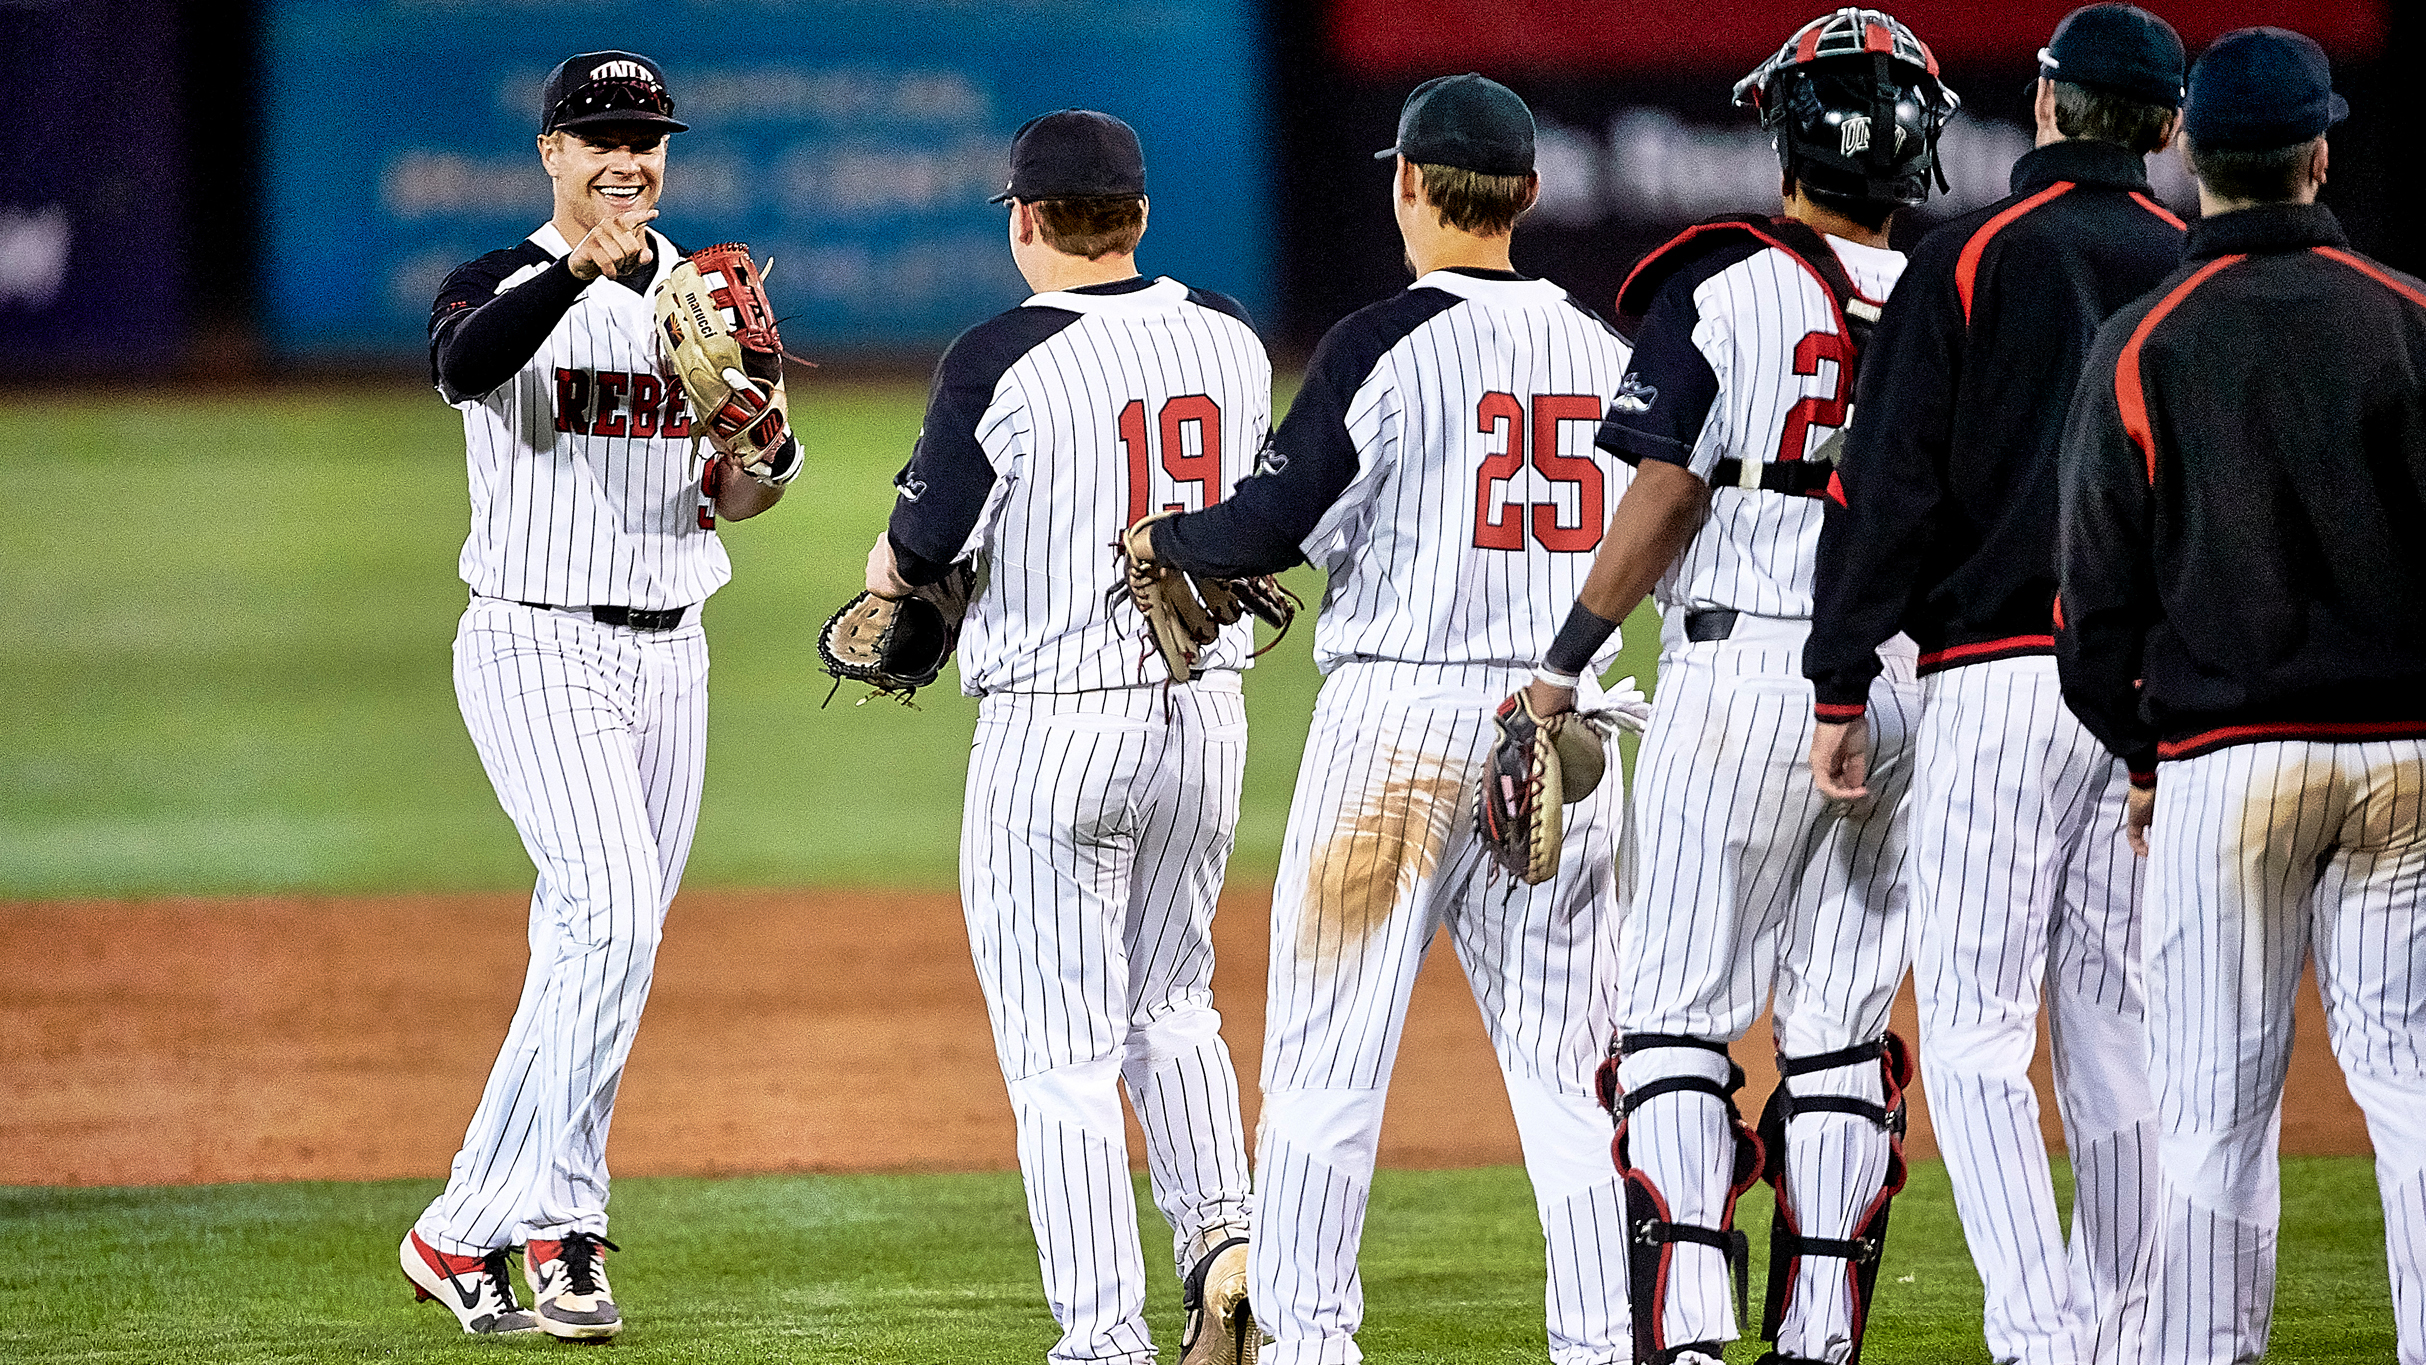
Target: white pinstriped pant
2260 854
2026 895
1092 847
595 738
1749 877
1381 854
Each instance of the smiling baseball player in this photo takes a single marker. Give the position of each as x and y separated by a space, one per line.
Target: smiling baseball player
582 673
1438 465
1102 790
1742 369
2024 892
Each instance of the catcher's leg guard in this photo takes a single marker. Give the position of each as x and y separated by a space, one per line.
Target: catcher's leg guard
1787 1242
1651 1234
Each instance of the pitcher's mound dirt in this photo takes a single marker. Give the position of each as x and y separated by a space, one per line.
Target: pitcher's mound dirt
189 1041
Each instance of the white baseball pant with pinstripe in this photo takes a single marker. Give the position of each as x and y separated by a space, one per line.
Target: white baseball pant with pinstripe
2262 854
2026 895
1093 841
1380 854
1749 878
595 738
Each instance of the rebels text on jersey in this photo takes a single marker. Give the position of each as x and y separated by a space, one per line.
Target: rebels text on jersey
1049 430
584 476
1741 358
1438 464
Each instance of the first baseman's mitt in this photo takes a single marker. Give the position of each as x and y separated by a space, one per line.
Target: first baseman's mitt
897 645
720 342
1185 611
1539 764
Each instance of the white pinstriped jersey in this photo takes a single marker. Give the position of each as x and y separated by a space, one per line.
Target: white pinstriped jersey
1476 496
1050 429
1739 360
584 476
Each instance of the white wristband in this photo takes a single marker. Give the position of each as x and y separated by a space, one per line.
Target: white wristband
1569 681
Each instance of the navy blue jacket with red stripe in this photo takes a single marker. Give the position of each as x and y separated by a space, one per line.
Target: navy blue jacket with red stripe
1944 524
2244 500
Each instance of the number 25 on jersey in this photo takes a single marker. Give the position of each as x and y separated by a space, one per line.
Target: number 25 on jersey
1501 516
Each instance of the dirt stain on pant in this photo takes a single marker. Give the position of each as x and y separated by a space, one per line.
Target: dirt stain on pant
1381 848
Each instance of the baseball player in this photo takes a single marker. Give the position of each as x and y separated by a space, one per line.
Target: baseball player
1102 791
2242 483
2023 888
1742 371
582 673
1438 465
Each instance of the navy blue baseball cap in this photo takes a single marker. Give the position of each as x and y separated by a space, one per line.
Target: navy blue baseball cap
606 87
2118 48
1074 154
1471 122
2261 88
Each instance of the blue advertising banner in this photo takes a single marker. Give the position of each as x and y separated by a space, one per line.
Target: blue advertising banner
856 144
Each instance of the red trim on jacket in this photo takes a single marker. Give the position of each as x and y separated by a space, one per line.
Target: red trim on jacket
2129 395
1967 265
2160 211
2329 732
1980 651
2368 269
1837 712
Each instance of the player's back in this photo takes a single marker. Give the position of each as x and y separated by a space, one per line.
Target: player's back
1099 405
1462 411
1740 366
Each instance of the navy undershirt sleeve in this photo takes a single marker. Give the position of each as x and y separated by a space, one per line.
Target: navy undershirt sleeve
1660 406
480 338
942 491
1262 526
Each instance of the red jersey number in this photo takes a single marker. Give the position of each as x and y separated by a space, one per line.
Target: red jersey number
1500 520
1190 428
1813 410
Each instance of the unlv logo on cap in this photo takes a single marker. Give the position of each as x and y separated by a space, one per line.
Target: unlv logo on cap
622 71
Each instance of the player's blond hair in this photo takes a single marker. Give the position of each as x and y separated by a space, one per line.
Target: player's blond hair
1093 228
1485 205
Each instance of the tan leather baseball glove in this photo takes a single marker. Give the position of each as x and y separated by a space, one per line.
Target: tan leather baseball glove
721 345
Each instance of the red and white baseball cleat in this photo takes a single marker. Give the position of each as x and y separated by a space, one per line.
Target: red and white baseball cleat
569 1293
477 1289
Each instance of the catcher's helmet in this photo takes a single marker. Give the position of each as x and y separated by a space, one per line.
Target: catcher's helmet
1854 106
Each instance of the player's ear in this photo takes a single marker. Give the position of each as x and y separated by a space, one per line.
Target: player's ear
550 145
2173 131
1410 182
1143 206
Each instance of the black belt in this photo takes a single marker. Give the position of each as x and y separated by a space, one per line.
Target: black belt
638 618
1715 624
1804 478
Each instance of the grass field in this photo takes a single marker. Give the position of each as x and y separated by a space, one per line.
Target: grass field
227 654
921 1269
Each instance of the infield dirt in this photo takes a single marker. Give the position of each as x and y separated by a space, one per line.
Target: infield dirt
199 1041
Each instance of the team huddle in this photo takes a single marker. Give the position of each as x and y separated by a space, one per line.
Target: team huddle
2040 619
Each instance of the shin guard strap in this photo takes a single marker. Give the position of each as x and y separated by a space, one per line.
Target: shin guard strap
1731 1243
